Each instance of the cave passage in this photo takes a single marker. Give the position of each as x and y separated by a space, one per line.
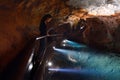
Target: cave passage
67 60
73 61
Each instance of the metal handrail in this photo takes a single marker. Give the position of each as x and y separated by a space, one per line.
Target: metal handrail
41 59
54 35
39 38
24 60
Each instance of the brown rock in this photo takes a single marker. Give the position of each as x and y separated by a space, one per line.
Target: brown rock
19 21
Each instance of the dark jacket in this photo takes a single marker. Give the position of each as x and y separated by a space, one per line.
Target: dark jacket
43 29
43 26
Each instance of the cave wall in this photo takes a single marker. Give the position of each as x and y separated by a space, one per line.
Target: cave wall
100 32
19 21
97 7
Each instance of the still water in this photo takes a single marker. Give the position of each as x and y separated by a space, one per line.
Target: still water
75 61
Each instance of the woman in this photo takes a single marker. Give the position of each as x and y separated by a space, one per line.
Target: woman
43 30
43 24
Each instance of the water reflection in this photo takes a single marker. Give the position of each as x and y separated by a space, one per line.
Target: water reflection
83 63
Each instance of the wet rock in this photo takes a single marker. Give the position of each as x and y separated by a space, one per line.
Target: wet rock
102 32
19 21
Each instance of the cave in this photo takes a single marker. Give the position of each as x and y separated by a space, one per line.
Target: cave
83 41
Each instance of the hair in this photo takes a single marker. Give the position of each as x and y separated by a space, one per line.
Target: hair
45 17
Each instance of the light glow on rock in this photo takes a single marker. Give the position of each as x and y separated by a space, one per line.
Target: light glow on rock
97 7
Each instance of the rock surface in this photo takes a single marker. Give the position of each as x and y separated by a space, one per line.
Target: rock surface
19 21
100 31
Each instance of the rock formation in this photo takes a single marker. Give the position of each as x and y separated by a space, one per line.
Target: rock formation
19 22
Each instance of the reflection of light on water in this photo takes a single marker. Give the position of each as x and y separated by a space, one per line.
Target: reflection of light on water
50 64
64 41
91 61
76 70
30 67
30 64
72 43
53 69
71 54
64 69
31 57
64 51
64 45
54 47
71 58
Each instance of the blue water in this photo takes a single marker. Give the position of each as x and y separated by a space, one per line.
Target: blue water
80 62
